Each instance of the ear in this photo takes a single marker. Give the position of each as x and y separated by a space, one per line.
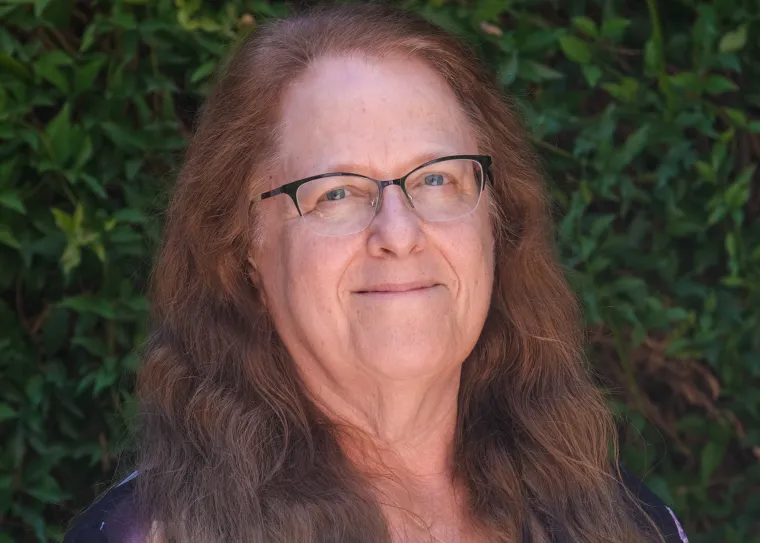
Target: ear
255 277
253 271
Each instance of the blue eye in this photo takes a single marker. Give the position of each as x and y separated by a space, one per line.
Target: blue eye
434 180
335 194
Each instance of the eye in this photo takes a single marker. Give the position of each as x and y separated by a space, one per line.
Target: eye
434 180
335 194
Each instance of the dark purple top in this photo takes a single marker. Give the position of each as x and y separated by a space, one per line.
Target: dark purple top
112 519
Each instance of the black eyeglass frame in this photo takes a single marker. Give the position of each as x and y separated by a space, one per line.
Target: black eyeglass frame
291 189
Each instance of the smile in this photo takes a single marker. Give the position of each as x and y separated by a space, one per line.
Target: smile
396 289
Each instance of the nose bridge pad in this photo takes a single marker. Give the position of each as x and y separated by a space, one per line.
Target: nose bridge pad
384 185
402 185
377 202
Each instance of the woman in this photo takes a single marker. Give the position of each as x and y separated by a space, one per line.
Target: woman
361 332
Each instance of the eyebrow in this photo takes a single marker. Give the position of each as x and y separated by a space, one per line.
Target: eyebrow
417 160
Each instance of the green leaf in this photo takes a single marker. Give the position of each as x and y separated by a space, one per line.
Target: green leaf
537 41
575 49
733 41
129 215
7 238
614 28
12 201
489 10
718 155
7 169
58 13
58 132
94 185
659 486
736 115
651 58
705 171
625 91
84 76
55 331
34 388
727 136
534 71
6 412
132 167
99 250
592 74
84 153
188 7
730 243
95 346
125 19
508 70
39 7
586 25
633 146
716 215
717 84
13 66
63 221
125 138
47 67
71 257
737 194
686 80
203 71
710 459
88 37
89 304
46 490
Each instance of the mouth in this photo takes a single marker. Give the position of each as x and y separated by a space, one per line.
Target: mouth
398 288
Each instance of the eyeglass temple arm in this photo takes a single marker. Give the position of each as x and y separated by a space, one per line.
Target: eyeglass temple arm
488 169
267 194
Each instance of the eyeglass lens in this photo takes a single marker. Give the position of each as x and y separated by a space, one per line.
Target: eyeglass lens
344 204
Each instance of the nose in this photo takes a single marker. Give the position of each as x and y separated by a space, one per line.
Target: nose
396 229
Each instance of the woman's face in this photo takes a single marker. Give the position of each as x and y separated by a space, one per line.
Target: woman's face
328 295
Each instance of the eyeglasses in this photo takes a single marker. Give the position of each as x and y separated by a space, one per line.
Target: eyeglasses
339 204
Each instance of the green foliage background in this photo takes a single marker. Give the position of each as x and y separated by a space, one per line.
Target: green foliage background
646 114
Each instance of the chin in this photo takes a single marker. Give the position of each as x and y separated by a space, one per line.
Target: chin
402 364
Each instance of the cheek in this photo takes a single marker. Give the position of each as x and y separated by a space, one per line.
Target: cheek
487 241
316 266
474 253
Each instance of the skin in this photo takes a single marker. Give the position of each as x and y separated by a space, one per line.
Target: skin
387 364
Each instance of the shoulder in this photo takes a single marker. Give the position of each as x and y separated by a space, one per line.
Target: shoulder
111 519
661 514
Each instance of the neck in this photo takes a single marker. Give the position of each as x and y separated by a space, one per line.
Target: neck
404 428
399 435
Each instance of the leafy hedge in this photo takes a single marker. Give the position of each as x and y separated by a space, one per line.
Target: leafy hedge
646 114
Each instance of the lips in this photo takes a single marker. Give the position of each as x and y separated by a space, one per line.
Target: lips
398 288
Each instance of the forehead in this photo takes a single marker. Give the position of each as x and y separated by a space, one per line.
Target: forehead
384 116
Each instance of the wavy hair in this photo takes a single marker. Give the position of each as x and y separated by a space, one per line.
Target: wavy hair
232 447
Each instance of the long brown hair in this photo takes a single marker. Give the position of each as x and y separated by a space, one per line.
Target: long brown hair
231 447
